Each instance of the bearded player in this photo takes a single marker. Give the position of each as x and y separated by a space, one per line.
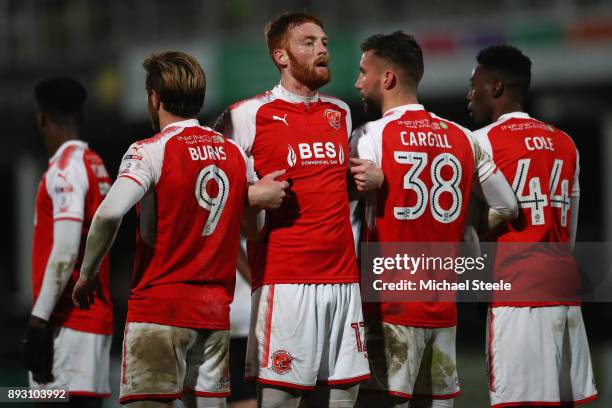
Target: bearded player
538 353
430 165
306 325
191 185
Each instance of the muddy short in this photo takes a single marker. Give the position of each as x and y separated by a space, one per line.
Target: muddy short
412 361
162 362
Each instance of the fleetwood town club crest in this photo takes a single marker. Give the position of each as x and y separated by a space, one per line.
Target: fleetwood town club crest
334 118
281 361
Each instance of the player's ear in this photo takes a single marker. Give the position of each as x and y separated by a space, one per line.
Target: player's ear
280 57
41 119
389 79
154 100
498 89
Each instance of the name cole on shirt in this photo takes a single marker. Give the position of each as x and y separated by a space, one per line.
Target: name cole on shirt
539 143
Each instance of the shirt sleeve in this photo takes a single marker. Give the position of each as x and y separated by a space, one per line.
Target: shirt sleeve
67 188
250 170
576 183
141 165
239 126
483 162
366 145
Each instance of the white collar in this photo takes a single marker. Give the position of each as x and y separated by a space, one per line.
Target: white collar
182 123
283 93
64 146
409 107
516 115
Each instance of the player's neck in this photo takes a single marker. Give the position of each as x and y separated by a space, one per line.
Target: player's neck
56 139
393 101
505 108
294 86
167 118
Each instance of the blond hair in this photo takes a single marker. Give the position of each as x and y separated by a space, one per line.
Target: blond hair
179 80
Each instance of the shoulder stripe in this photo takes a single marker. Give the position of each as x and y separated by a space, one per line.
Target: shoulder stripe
64 159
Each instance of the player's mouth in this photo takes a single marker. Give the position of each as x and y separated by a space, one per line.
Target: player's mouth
322 63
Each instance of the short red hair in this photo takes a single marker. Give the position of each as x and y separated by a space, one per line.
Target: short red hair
276 30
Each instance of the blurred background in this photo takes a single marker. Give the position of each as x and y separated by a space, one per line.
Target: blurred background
103 44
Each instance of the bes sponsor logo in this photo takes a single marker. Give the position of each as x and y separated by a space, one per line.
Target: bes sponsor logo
281 362
318 153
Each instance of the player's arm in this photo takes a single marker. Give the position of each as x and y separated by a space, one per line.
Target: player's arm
500 199
493 189
68 188
66 241
242 264
367 176
120 199
574 203
267 193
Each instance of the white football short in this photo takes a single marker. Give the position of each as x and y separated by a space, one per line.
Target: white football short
301 334
412 361
80 363
538 356
161 362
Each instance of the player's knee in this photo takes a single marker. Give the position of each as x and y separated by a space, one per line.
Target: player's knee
149 404
277 397
431 403
343 397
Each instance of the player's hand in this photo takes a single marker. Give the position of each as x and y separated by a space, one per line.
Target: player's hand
37 350
268 193
367 176
84 293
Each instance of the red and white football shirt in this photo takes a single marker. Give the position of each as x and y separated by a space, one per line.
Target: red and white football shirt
429 164
187 241
309 239
72 188
540 162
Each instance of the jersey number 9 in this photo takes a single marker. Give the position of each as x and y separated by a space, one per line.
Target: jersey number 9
213 204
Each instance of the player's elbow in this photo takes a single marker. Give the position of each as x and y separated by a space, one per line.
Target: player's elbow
513 210
508 212
107 215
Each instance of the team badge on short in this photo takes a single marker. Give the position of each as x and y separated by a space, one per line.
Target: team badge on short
334 118
281 362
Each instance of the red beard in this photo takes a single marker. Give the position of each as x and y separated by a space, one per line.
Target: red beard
307 74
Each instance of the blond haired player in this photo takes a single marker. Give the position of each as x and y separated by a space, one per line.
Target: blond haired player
191 185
